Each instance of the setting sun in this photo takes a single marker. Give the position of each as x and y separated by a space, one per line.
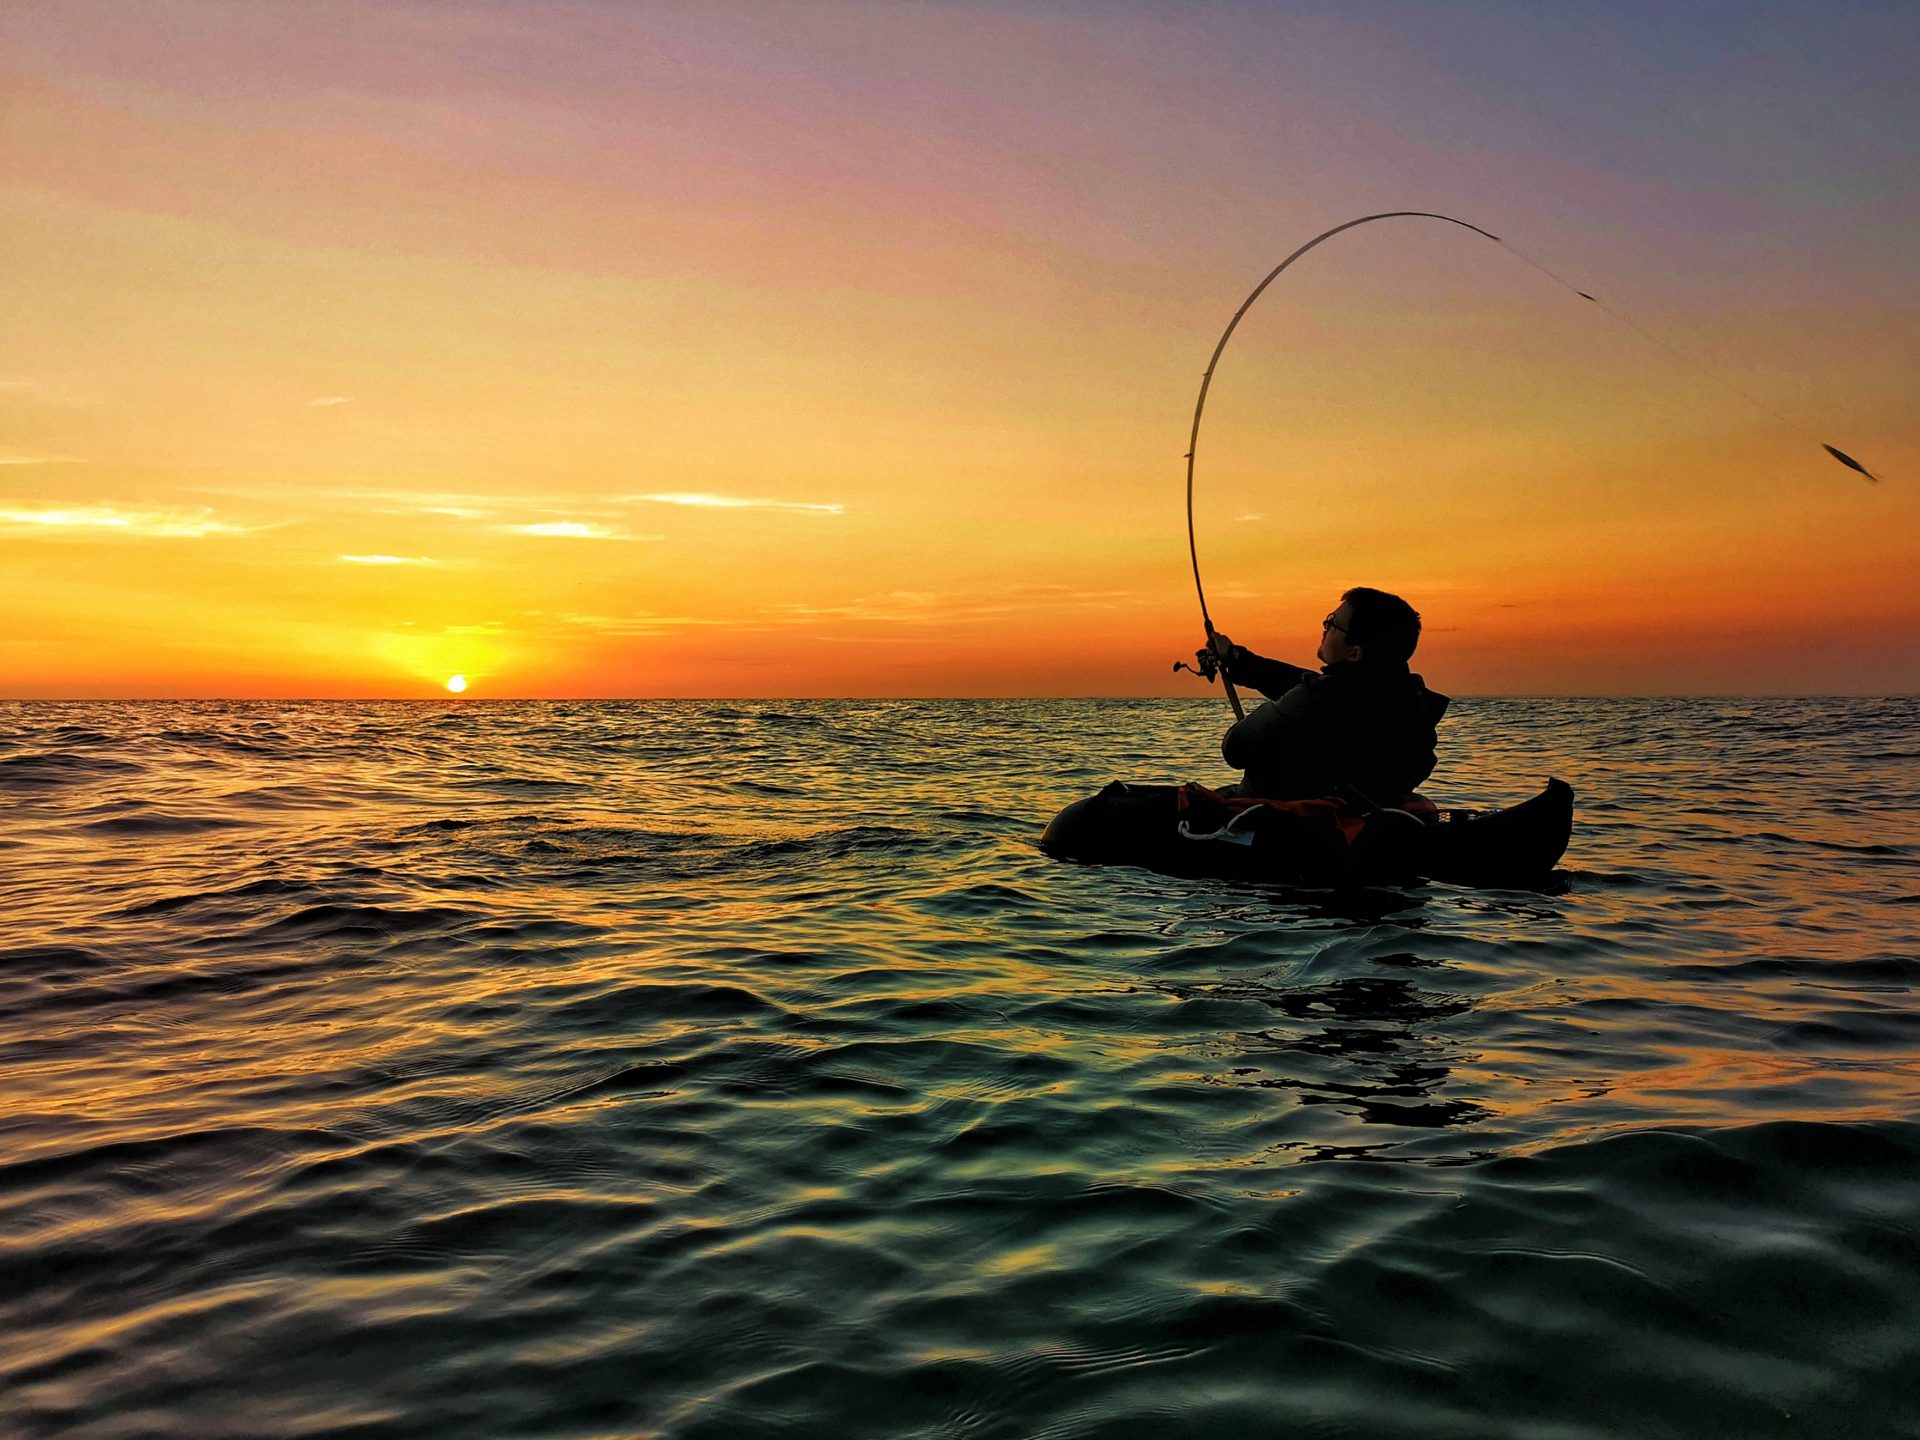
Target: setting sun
457 684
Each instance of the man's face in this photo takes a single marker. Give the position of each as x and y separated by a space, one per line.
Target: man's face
1333 637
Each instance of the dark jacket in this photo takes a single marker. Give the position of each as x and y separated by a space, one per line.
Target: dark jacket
1362 728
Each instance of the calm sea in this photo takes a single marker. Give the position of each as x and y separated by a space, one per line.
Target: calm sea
581 1070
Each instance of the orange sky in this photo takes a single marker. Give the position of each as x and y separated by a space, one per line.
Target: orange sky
850 349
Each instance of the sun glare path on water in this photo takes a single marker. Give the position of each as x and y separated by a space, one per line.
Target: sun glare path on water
456 684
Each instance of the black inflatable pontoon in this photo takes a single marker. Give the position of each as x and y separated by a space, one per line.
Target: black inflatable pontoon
1189 830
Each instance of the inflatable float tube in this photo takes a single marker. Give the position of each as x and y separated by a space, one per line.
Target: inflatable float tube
1190 830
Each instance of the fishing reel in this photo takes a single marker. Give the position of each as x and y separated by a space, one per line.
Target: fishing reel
1206 665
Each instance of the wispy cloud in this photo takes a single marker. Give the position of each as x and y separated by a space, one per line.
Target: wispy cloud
389 560
644 624
324 402
1247 594
16 459
567 517
573 530
733 502
453 504
904 611
456 504
934 608
115 521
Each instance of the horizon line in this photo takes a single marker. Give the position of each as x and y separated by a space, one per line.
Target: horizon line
469 699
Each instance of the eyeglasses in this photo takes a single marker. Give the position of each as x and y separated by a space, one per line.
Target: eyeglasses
1332 624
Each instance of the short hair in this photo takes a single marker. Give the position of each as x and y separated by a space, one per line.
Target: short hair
1385 624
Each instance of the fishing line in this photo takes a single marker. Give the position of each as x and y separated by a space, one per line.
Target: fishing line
1688 360
1206 381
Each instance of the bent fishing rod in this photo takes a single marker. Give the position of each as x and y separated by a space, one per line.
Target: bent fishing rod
1206 380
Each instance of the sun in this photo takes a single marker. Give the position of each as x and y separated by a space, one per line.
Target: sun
456 683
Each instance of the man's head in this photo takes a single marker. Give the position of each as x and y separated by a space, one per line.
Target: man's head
1370 625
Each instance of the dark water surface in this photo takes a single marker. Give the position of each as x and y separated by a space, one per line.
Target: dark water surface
587 1070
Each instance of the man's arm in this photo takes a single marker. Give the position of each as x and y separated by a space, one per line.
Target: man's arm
1272 678
1247 738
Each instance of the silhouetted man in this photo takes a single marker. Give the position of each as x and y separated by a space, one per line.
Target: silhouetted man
1362 727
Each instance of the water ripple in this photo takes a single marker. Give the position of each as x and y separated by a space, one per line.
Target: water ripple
720 1070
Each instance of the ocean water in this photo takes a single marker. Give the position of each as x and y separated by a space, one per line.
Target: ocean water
581 1070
